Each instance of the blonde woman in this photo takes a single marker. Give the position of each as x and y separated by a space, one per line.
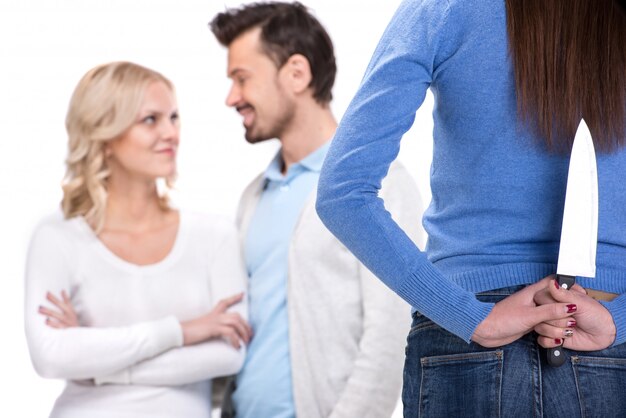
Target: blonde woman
135 304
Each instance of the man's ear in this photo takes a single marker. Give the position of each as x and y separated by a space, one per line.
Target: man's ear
297 72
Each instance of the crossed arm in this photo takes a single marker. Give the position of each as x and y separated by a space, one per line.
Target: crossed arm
219 334
158 352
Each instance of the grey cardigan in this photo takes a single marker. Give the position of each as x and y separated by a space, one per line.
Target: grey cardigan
346 329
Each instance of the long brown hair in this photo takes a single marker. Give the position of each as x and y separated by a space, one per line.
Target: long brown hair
569 60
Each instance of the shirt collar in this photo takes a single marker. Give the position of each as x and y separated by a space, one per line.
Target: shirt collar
312 162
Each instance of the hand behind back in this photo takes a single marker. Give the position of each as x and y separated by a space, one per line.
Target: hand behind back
517 315
594 328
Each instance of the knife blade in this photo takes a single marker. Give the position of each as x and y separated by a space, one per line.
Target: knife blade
579 231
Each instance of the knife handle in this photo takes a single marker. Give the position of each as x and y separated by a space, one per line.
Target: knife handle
566 282
556 356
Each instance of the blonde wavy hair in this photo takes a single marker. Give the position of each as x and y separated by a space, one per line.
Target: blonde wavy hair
104 106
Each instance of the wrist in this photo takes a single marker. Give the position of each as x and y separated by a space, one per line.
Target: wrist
195 331
189 332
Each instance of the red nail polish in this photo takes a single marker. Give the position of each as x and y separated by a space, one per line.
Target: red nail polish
571 308
558 341
556 284
571 323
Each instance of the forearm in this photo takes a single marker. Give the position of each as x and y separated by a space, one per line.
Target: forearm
182 365
84 353
349 206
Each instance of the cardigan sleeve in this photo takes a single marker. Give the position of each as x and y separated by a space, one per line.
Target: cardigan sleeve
80 352
374 384
209 359
411 50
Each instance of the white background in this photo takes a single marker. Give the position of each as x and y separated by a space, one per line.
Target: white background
47 45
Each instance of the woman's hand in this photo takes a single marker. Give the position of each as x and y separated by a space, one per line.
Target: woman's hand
65 317
218 323
592 330
517 315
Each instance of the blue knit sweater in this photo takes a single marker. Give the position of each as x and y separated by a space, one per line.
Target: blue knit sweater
497 193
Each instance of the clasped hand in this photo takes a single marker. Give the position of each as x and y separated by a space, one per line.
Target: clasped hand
560 317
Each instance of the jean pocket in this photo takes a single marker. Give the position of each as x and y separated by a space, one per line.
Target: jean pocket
449 385
601 384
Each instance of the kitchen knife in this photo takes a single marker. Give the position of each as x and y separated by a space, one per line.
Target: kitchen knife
579 231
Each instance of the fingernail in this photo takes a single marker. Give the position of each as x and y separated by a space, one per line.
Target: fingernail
568 333
558 341
571 323
556 284
571 308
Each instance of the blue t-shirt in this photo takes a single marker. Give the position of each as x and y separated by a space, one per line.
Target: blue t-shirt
264 386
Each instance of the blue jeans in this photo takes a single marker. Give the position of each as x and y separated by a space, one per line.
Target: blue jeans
446 377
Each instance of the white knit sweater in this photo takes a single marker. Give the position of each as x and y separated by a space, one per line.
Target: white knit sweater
127 359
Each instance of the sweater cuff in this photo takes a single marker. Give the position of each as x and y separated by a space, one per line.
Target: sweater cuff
451 307
617 309
166 334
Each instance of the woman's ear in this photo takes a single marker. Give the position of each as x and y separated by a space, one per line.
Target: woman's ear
297 71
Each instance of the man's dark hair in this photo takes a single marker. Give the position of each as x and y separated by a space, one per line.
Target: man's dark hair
286 29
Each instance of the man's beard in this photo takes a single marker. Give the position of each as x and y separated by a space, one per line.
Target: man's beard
277 129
